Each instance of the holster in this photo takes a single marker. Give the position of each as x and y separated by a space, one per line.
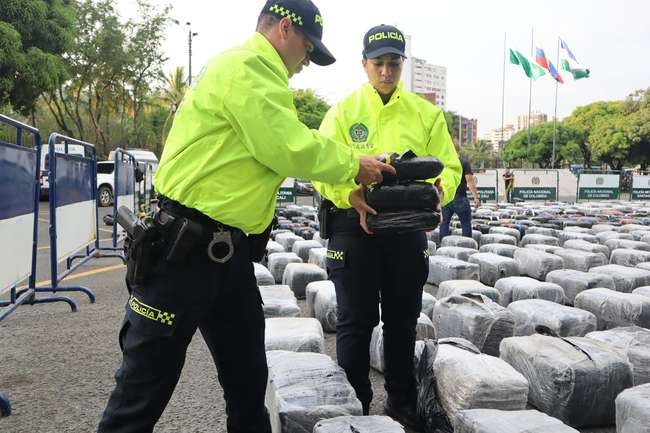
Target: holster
324 215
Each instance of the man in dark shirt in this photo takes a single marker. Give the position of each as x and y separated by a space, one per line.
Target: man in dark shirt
460 205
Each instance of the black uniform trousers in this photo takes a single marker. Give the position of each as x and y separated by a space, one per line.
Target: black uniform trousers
224 303
366 269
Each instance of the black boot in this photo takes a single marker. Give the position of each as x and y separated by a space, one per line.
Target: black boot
403 412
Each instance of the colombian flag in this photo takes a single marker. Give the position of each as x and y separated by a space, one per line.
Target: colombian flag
540 58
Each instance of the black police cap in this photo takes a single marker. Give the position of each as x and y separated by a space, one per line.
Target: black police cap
306 16
383 39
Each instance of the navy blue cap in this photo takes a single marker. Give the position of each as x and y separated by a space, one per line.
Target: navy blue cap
306 16
383 39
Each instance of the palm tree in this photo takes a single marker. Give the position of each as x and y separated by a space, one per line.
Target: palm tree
479 153
172 96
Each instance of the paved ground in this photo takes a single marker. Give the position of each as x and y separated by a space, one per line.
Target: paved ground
58 367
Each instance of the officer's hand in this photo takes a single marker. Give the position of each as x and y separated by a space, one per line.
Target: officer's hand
357 199
440 192
477 204
370 169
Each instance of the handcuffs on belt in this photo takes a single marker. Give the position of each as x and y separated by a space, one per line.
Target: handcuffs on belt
221 237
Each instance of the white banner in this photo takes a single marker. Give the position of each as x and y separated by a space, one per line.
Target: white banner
641 182
599 180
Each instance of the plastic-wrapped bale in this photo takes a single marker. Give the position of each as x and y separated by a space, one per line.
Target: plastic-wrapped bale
295 334
460 253
605 236
537 264
276 232
279 301
519 288
564 236
298 275
318 257
475 318
642 291
505 250
574 282
543 247
625 278
359 424
443 268
638 235
476 234
325 307
274 247
574 379
492 267
634 343
434 235
614 244
579 244
506 231
512 421
459 241
538 239
263 275
424 330
287 240
277 262
614 308
497 238
322 241
600 228
305 388
431 247
541 231
452 376
302 248
627 228
627 257
311 291
633 410
462 287
564 321
428 302
576 229
579 260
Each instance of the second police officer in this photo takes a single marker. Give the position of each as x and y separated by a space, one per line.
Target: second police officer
382 117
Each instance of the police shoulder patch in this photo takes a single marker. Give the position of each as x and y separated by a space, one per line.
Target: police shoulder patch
358 132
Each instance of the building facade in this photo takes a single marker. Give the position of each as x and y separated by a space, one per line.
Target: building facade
535 119
499 136
424 78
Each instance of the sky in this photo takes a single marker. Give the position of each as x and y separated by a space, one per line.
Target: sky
610 37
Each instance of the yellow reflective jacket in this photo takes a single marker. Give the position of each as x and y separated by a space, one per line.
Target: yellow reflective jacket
406 122
237 136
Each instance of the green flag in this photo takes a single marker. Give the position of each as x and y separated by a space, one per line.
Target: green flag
532 70
577 72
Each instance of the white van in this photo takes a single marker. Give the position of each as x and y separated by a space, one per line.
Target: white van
73 149
106 176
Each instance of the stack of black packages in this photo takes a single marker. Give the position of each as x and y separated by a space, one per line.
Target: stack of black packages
405 202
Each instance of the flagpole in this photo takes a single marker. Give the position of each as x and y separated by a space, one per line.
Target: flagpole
557 62
503 96
530 93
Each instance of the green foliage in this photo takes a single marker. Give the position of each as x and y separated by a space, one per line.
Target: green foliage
34 35
541 145
480 154
311 107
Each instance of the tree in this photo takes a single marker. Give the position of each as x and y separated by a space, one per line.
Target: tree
541 145
479 153
311 107
34 36
171 96
637 110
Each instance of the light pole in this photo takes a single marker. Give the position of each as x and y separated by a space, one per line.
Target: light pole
190 35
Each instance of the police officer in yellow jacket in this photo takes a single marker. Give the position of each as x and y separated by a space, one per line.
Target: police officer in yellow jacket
233 141
382 117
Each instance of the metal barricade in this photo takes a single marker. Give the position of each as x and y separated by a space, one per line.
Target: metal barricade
19 207
124 191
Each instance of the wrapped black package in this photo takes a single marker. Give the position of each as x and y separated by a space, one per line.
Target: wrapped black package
412 167
407 195
403 221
